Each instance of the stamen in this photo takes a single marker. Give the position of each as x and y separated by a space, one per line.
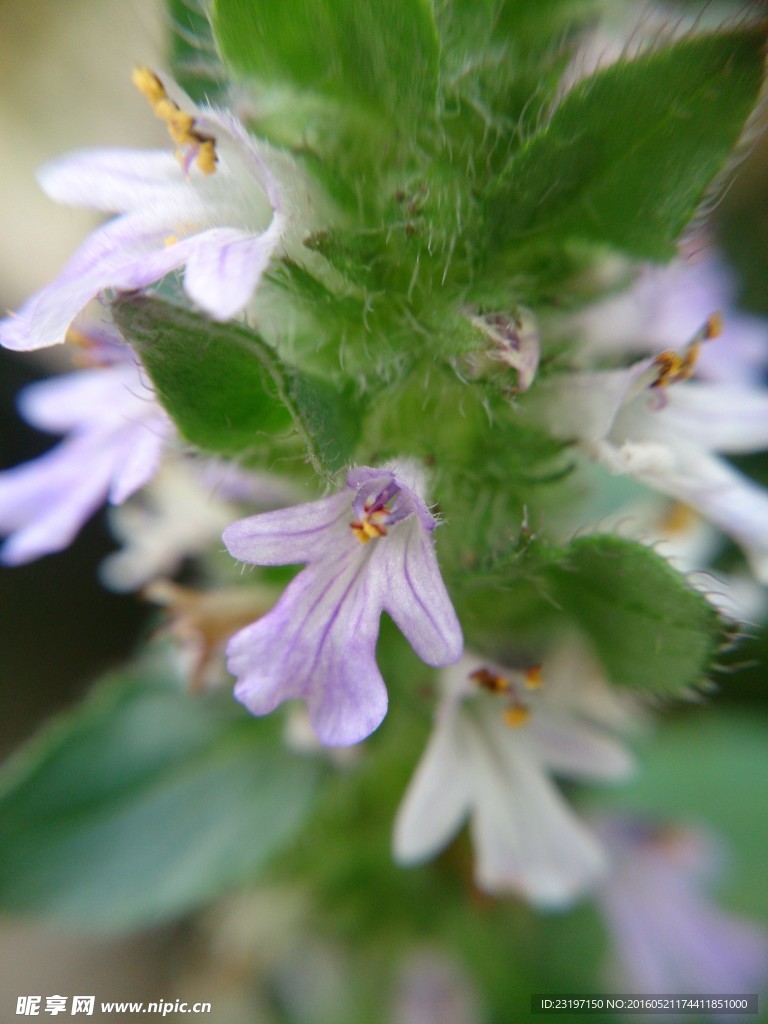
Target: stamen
674 367
679 518
516 715
368 529
374 516
490 681
533 677
181 126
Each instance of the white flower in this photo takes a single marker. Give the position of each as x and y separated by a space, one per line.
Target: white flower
497 739
181 513
651 422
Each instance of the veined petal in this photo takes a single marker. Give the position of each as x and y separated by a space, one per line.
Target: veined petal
526 838
415 596
721 494
43 503
364 554
289 536
437 800
225 265
318 644
728 419
127 253
576 749
112 180
65 403
137 451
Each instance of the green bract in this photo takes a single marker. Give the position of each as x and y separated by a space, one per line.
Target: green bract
382 56
228 390
629 153
652 631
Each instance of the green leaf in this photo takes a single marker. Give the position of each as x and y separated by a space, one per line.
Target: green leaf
379 53
227 389
192 55
629 154
649 627
144 803
501 65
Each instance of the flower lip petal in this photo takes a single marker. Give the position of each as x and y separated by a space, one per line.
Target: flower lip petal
529 841
224 265
290 536
111 180
416 598
317 644
44 502
438 798
127 253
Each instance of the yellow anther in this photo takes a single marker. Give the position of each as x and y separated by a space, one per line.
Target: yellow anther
366 530
490 681
678 519
181 125
533 677
79 338
673 367
676 366
206 157
713 328
170 240
149 85
516 715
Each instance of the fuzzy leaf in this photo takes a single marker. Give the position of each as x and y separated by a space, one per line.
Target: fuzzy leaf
629 154
501 64
649 627
226 388
192 55
382 54
143 804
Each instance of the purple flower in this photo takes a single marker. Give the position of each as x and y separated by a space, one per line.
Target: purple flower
432 988
115 432
368 549
667 935
218 213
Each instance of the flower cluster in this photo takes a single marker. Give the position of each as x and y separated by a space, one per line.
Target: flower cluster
448 516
